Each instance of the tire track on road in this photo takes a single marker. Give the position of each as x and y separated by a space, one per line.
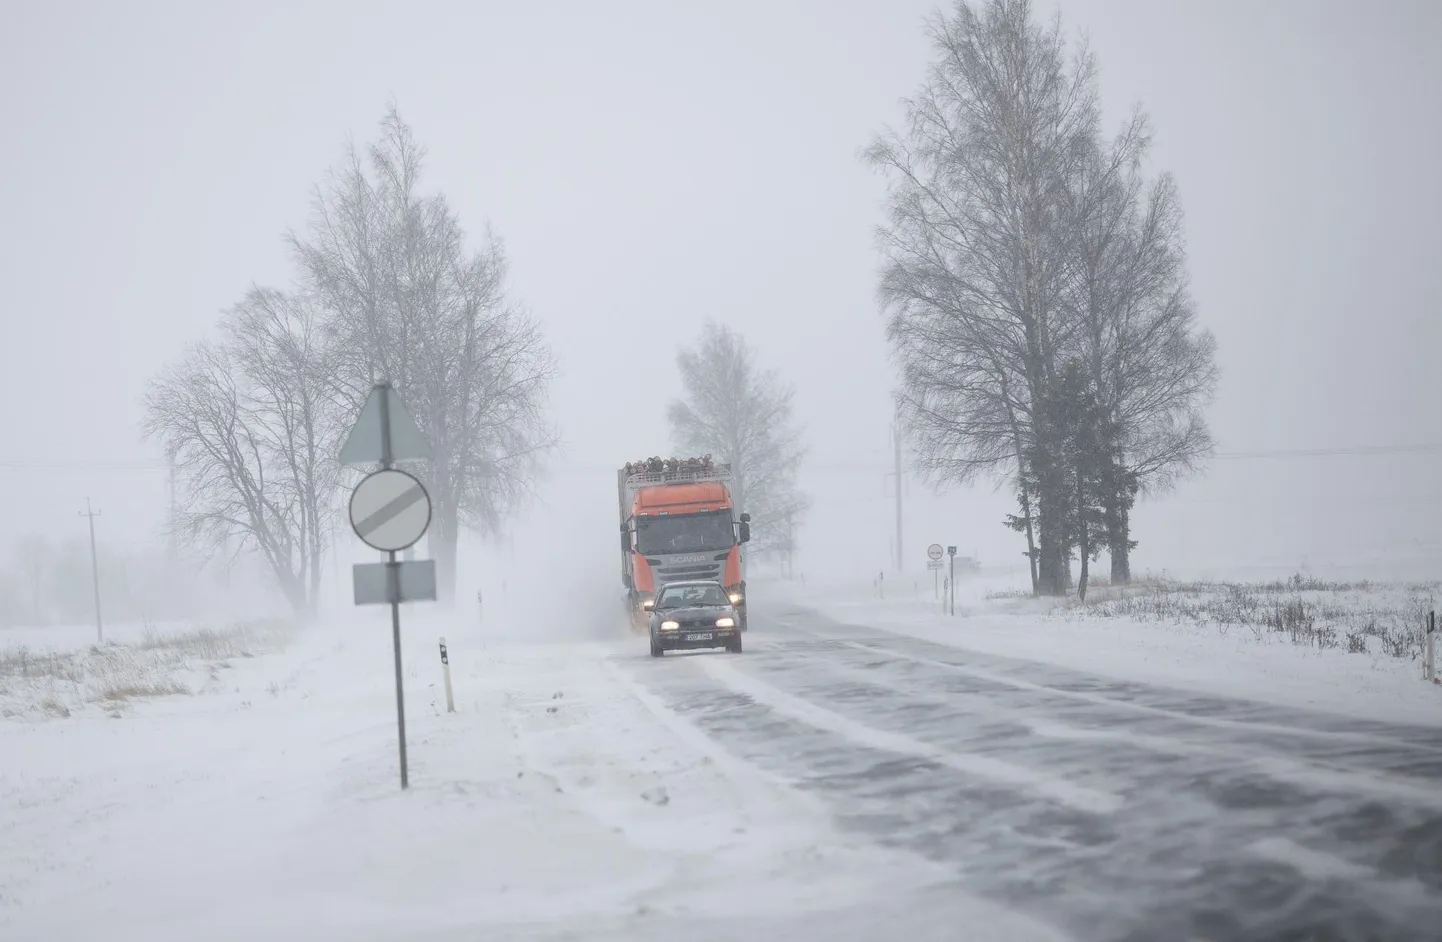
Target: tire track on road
1222 712
1390 827
1412 749
1054 788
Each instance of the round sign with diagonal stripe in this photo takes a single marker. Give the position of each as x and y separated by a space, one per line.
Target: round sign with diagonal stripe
390 510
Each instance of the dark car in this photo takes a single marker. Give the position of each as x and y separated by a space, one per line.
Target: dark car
686 616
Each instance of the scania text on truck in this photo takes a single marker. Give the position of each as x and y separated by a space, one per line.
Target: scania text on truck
678 524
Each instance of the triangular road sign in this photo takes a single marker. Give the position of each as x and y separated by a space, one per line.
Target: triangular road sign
365 445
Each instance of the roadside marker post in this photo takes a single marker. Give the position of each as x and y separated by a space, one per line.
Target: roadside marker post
390 511
1429 655
446 672
933 562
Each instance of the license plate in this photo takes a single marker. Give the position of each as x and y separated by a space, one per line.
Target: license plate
704 636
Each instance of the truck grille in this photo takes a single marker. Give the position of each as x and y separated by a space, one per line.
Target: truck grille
680 572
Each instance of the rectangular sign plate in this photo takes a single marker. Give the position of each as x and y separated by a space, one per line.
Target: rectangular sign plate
933 564
415 581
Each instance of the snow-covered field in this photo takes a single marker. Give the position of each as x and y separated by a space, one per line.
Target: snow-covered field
1353 647
562 800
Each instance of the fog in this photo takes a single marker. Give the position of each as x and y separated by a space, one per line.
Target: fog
652 165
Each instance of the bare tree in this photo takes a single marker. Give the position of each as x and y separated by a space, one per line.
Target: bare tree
741 414
976 262
250 422
405 300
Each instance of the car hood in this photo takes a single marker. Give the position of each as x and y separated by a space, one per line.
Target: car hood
697 613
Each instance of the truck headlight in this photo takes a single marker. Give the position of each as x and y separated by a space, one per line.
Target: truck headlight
725 621
670 625
735 598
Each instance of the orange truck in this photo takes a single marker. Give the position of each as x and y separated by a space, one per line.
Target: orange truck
678 523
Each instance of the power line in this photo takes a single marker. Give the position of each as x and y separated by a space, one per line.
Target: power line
84 465
1332 452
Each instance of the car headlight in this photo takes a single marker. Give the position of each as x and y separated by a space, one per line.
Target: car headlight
670 625
735 598
725 621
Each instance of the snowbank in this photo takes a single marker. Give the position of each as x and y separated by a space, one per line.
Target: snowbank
1358 655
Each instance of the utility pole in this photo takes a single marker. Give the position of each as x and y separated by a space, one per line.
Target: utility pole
91 514
790 547
172 517
896 436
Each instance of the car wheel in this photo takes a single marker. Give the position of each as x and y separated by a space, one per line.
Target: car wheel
735 646
656 649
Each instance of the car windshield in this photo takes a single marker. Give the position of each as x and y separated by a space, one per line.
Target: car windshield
685 534
683 596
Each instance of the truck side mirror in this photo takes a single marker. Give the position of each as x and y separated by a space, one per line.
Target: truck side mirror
745 535
745 518
625 541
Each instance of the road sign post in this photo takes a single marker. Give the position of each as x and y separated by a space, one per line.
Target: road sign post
951 553
390 511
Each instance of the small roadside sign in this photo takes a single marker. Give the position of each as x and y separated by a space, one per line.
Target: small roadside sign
951 551
393 583
934 564
934 551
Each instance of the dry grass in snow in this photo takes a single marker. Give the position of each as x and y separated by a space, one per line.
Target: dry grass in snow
43 682
1358 617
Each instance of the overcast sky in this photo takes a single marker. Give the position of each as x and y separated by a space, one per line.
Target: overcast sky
652 164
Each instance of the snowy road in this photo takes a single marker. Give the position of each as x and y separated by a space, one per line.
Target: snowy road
1113 811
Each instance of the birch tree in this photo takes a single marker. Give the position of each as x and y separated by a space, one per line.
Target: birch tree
742 414
975 260
1021 248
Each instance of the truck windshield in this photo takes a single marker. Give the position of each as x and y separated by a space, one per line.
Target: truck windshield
681 596
690 533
